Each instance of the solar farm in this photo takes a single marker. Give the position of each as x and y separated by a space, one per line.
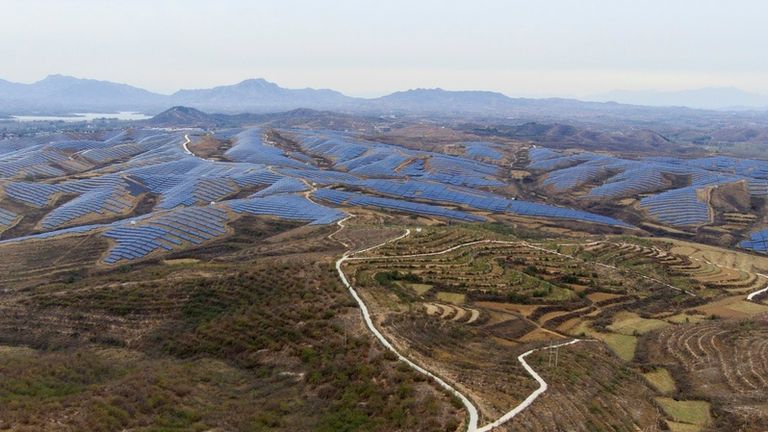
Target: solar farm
106 185
672 192
324 177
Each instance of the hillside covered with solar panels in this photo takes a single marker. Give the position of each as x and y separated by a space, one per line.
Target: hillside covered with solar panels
719 199
144 191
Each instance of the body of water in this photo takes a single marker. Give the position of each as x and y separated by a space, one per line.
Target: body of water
80 117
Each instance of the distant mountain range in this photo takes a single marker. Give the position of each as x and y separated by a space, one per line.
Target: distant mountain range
58 94
63 94
713 98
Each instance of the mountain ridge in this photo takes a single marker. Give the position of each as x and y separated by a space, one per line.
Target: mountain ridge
66 94
717 98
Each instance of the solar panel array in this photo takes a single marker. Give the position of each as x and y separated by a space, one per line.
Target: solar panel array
561 161
249 147
470 198
481 150
33 194
284 185
167 232
104 155
538 154
287 206
376 160
361 200
461 172
82 229
349 172
197 191
681 207
7 218
321 177
377 163
571 178
97 203
678 207
757 241
332 146
629 183
39 163
744 167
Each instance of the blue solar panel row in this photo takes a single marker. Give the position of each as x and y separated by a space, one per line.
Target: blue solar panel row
166 232
7 218
482 150
743 167
320 177
378 163
538 154
282 186
631 182
646 175
332 146
37 163
76 146
249 147
523 208
196 191
34 194
113 153
757 241
757 187
413 189
50 234
101 202
562 161
361 200
293 207
678 207
461 172
570 178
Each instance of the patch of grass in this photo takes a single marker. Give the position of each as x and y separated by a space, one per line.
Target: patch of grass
622 345
682 427
692 412
418 288
661 380
450 297
685 318
746 307
181 261
629 323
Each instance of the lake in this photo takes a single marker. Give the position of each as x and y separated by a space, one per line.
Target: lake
80 117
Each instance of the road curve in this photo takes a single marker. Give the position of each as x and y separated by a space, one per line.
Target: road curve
751 296
471 409
472 422
185 143
531 397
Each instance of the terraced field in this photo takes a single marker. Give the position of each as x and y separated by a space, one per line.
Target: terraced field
725 362
439 292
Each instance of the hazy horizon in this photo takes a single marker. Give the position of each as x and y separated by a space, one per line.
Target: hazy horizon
368 49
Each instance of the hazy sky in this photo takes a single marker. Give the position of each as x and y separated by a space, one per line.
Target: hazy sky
368 48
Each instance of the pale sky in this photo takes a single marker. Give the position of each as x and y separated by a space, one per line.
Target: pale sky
369 48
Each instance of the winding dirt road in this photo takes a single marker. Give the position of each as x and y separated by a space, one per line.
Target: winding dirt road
472 422
751 296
